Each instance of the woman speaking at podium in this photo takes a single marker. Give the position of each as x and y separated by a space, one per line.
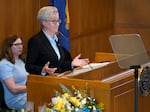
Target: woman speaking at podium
45 55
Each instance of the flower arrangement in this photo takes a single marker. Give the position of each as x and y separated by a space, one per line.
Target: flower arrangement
79 101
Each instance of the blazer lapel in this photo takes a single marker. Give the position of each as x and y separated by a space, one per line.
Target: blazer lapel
48 44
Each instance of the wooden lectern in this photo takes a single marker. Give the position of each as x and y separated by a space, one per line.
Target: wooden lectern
108 84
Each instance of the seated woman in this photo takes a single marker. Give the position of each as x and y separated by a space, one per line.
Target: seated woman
12 73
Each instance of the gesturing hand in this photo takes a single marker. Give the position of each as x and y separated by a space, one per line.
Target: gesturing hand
79 62
47 69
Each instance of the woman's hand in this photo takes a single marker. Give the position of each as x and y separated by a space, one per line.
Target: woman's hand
79 62
48 70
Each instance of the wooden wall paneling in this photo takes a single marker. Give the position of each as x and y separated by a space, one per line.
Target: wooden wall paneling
133 12
19 17
90 16
44 3
132 16
89 44
75 17
88 21
91 23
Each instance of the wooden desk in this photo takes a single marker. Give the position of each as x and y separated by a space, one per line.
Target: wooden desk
110 84
103 56
41 89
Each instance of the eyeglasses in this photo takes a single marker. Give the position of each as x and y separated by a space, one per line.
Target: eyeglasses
18 44
55 21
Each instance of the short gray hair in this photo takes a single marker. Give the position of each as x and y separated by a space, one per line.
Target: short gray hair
45 13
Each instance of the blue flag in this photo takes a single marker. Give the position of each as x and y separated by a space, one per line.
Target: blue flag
62 6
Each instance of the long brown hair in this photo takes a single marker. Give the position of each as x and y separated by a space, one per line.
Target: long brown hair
6 51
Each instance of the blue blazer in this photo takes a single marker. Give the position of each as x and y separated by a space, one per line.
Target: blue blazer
40 51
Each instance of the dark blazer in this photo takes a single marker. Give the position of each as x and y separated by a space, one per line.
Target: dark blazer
40 51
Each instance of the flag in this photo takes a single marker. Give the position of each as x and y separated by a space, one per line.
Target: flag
62 6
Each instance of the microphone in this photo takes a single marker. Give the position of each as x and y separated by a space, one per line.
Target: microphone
64 40
60 34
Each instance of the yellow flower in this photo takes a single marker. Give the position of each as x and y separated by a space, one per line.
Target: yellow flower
68 102
75 101
66 95
60 104
89 107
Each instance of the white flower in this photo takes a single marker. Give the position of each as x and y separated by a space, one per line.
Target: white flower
53 100
77 109
83 101
68 106
79 95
